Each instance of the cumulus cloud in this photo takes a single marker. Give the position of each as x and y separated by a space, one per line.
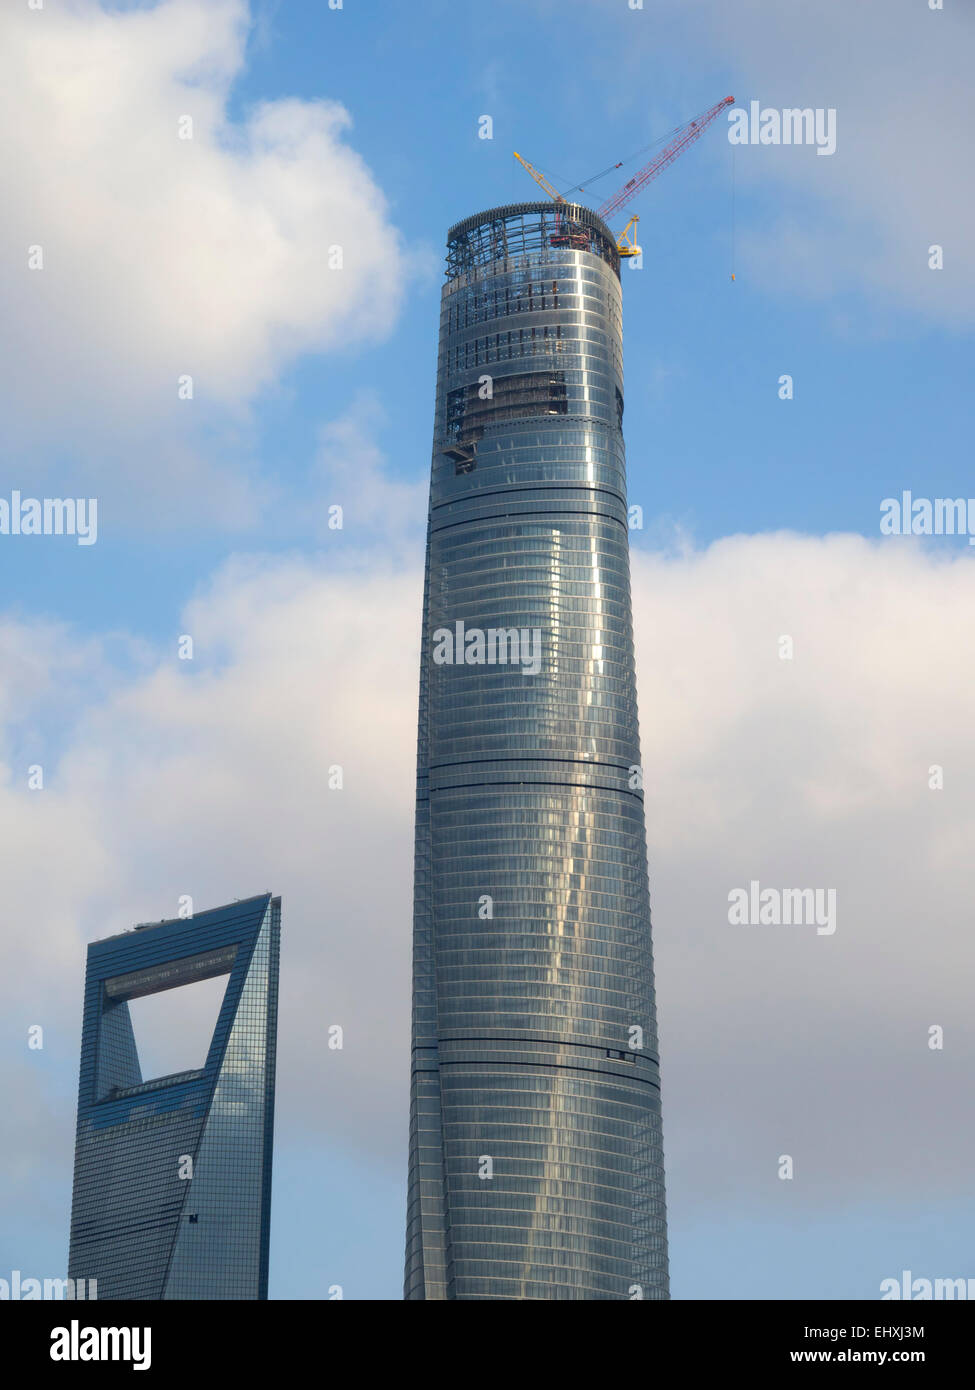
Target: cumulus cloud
175 241
810 772
210 777
350 472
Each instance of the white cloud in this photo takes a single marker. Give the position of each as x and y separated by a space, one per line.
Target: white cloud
211 778
165 256
350 470
812 772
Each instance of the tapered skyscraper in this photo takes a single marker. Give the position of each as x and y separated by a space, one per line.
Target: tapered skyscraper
536 1162
172 1178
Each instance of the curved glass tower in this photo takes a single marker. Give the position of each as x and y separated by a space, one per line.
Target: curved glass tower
536 1162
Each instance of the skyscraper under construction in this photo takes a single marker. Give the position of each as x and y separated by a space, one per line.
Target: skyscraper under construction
536 1161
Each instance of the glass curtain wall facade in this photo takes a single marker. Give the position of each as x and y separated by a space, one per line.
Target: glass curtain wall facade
536 1162
172 1178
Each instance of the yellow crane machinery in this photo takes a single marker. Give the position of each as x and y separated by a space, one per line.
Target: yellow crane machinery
540 179
629 248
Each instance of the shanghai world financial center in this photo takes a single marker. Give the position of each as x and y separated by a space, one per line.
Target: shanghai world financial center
172 1180
535 1149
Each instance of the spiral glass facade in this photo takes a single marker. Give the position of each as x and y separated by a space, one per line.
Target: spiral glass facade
536 1162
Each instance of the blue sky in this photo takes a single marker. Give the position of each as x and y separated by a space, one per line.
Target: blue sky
212 522
880 388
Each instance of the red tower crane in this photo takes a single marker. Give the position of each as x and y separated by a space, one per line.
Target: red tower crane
682 138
